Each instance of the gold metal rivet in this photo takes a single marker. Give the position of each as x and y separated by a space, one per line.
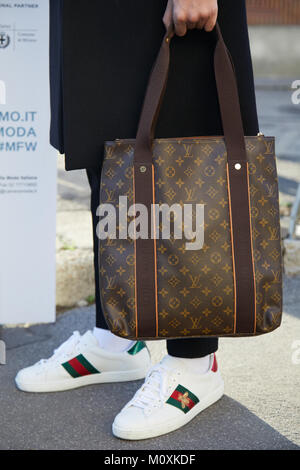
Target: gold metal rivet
143 169
237 166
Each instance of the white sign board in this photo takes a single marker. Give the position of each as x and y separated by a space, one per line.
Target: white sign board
27 166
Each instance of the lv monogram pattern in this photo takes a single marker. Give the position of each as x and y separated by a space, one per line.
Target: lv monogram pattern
195 287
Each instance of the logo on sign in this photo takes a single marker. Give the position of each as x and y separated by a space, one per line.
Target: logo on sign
4 40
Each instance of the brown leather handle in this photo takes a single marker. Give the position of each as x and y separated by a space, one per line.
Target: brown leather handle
227 94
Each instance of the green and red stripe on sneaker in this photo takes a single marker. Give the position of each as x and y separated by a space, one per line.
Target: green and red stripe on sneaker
183 399
79 366
136 348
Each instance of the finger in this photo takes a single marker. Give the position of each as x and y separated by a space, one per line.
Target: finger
180 28
167 19
211 23
191 25
200 24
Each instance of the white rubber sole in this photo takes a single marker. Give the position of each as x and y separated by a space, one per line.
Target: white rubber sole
169 426
71 383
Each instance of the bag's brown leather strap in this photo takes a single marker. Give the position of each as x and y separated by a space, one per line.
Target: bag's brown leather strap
238 190
227 93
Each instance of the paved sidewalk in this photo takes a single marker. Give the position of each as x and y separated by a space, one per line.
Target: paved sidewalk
259 411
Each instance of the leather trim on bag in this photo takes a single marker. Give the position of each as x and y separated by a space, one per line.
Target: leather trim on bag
241 241
251 239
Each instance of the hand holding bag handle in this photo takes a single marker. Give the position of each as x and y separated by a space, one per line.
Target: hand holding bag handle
238 191
227 93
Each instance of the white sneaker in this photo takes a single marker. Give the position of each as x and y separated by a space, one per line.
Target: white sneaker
169 398
80 361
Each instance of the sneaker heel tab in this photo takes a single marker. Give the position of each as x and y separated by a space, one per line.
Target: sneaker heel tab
214 367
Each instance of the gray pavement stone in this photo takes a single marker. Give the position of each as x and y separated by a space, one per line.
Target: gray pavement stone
261 408
74 276
292 257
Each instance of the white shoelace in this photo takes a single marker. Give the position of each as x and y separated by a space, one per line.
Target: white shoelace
153 391
70 345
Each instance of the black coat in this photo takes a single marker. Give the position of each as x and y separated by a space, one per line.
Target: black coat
99 72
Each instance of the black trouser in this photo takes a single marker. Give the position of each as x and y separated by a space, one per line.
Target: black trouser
189 348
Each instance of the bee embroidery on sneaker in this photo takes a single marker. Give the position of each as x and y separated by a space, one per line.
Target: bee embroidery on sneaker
183 399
